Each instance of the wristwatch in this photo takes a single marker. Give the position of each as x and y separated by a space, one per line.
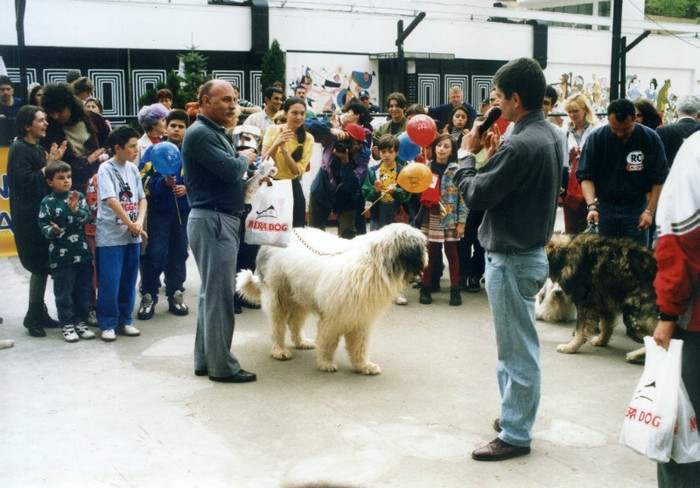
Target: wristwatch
464 153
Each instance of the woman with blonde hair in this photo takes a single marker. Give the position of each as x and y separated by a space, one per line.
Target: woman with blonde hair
582 120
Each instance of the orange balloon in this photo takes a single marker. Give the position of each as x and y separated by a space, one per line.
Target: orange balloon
415 177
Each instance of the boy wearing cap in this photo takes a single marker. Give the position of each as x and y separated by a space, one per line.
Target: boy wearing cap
365 99
336 185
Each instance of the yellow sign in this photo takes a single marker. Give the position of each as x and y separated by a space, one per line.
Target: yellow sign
7 237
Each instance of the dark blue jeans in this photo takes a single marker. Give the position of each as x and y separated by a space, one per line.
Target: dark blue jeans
166 253
622 220
72 287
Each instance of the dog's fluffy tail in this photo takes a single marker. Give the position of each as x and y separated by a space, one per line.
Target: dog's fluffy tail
248 285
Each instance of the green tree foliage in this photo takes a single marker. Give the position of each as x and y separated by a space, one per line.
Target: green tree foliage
195 74
273 66
687 9
183 89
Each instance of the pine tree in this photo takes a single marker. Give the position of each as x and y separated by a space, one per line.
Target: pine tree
194 75
273 66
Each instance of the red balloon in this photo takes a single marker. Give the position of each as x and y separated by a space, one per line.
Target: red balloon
422 130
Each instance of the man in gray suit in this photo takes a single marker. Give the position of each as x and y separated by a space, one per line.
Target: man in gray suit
213 174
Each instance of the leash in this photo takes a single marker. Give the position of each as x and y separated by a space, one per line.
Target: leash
312 249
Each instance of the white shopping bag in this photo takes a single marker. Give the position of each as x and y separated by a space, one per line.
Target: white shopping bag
270 219
651 414
686 440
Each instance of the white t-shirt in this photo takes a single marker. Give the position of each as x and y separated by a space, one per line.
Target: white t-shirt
123 182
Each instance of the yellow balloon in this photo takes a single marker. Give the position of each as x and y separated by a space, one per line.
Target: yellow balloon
415 177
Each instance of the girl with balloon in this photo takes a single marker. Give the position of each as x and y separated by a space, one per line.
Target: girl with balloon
443 217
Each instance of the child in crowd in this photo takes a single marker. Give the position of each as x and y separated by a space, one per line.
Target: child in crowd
120 214
168 211
382 190
62 217
458 123
444 220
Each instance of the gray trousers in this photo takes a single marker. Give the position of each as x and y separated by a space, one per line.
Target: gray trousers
214 241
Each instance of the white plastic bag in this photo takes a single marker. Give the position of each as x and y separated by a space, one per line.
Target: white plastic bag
651 414
686 440
270 219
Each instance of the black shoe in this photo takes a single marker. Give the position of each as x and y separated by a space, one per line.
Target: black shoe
455 297
46 319
425 296
473 285
497 450
176 304
147 307
36 330
201 372
242 376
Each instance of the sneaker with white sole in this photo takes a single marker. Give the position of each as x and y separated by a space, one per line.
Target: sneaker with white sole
84 331
176 304
108 335
69 334
92 318
400 299
147 307
129 330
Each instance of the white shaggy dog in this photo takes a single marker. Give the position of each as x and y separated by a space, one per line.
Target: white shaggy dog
553 305
347 283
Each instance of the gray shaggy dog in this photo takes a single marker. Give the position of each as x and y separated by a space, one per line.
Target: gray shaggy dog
347 283
604 277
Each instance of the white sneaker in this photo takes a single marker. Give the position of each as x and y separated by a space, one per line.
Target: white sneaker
69 334
92 318
400 299
129 330
108 335
84 331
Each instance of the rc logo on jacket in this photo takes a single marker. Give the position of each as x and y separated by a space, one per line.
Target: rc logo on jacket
635 161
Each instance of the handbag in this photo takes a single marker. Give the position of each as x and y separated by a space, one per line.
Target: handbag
686 440
574 194
270 219
651 414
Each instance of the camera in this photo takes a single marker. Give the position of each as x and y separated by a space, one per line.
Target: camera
342 146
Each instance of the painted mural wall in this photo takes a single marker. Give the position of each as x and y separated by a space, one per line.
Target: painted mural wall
331 78
663 87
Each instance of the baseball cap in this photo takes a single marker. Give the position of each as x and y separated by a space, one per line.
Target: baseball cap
363 94
355 131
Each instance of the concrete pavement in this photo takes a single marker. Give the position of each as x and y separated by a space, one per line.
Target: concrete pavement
132 413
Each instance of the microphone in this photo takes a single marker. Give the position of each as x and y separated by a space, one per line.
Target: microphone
494 113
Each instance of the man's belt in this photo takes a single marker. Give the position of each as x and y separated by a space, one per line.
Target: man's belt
215 208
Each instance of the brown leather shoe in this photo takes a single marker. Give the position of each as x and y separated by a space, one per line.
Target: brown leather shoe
497 424
497 450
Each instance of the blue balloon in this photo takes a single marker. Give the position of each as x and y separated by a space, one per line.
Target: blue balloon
408 150
166 158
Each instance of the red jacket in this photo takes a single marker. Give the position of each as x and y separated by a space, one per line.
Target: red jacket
677 281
